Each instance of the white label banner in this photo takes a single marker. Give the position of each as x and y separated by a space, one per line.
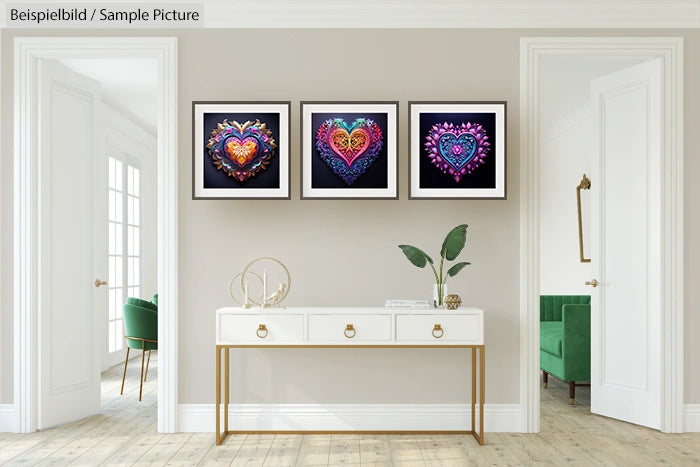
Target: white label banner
57 15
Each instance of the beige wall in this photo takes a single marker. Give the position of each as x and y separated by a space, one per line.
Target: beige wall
344 252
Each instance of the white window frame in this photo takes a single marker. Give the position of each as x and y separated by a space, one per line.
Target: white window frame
127 162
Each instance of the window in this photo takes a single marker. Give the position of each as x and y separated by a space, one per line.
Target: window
124 244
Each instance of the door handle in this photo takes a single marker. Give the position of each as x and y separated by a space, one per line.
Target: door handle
592 283
99 282
584 185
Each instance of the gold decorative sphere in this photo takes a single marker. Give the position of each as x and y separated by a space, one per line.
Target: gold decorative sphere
453 301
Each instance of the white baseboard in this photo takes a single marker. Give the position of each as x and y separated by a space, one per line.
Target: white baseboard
8 421
348 417
691 424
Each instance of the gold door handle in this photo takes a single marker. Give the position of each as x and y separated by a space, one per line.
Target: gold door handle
584 185
439 329
99 282
592 283
349 328
261 329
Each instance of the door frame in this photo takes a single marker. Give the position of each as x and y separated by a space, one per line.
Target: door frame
670 51
26 267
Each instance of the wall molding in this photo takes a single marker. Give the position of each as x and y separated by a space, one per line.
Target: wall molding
691 417
8 419
670 51
27 52
340 417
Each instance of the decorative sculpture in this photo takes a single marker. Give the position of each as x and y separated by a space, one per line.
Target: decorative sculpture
253 283
453 301
277 295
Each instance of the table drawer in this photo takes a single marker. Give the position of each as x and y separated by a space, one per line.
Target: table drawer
349 328
261 329
439 328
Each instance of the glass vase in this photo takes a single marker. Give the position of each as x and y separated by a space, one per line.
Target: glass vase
439 294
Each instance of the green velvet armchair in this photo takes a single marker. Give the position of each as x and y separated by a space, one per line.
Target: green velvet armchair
565 339
141 327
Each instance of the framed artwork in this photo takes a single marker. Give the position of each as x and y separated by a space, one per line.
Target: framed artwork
240 150
457 150
349 150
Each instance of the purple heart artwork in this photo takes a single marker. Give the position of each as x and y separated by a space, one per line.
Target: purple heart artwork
457 150
241 150
349 149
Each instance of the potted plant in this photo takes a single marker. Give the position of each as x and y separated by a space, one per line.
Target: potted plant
451 248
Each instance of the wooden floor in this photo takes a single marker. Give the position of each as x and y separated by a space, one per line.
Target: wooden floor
125 433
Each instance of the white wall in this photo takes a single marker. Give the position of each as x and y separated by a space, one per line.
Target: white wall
566 154
127 139
124 135
564 158
349 255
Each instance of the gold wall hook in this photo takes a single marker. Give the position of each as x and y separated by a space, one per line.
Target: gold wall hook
584 185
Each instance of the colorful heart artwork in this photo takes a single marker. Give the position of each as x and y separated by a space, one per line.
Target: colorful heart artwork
457 150
349 149
241 150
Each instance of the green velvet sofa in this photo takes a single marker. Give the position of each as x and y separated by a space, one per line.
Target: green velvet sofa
565 339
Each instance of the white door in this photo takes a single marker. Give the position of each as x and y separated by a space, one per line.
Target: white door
73 247
626 245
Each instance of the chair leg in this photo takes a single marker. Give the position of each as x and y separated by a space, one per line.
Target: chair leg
124 376
545 378
572 392
145 377
143 354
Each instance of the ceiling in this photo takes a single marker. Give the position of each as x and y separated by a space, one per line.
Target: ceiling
129 85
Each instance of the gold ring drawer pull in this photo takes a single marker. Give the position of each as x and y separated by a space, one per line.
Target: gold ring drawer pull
262 329
348 329
438 329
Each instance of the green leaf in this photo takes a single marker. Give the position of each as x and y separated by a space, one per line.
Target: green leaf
454 242
416 256
456 268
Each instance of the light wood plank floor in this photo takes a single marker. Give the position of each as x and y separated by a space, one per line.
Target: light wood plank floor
125 433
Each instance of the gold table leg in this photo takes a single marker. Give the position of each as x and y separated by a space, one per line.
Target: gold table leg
482 383
218 395
226 390
473 387
474 349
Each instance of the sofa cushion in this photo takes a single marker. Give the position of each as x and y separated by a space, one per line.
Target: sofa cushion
550 337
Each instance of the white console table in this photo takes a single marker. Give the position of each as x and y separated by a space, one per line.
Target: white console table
347 328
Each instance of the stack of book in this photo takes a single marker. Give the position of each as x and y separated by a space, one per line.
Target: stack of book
407 304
